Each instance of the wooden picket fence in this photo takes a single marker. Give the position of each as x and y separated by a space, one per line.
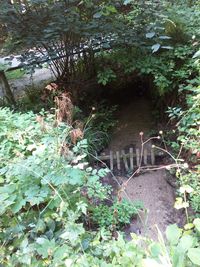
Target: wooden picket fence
130 160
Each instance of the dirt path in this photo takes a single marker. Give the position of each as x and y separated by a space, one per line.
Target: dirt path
152 188
133 118
158 196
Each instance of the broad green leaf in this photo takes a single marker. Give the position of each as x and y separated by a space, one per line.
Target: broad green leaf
164 37
186 188
75 176
194 255
155 249
180 203
186 242
155 48
151 263
97 15
61 252
197 54
150 35
188 226
45 247
178 258
73 232
18 205
196 222
173 234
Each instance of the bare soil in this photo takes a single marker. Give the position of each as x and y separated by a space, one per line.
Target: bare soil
158 196
153 188
133 118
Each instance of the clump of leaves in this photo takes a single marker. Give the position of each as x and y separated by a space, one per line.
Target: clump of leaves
99 126
117 215
187 142
41 187
106 76
43 203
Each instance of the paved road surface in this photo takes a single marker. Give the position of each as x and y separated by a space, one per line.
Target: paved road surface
40 78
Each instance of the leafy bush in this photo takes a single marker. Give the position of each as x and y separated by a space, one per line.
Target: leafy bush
47 190
117 215
188 136
181 249
106 76
41 187
99 126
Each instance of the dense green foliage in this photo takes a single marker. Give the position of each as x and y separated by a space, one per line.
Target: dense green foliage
99 126
119 214
187 144
42 184
53 205
47 195
58 29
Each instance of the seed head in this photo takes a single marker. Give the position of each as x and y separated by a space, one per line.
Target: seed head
185 165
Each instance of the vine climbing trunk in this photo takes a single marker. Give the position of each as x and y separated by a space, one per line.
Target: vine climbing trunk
5 88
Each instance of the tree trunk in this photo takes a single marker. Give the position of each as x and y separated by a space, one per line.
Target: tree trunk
5 88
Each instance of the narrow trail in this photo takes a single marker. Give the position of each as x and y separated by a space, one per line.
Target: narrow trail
152 187
158 196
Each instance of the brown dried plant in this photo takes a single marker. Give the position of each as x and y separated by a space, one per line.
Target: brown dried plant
75 135
48 90
64 108
40 120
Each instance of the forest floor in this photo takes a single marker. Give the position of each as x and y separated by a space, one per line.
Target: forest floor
153 188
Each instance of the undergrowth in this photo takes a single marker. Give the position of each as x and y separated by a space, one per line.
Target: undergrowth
48 191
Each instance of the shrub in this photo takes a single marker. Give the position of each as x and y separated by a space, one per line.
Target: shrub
117 215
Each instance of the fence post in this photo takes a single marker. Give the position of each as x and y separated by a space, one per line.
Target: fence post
5 88
137 157
152 156
145 156
125 160
131 158
118 160
111 160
